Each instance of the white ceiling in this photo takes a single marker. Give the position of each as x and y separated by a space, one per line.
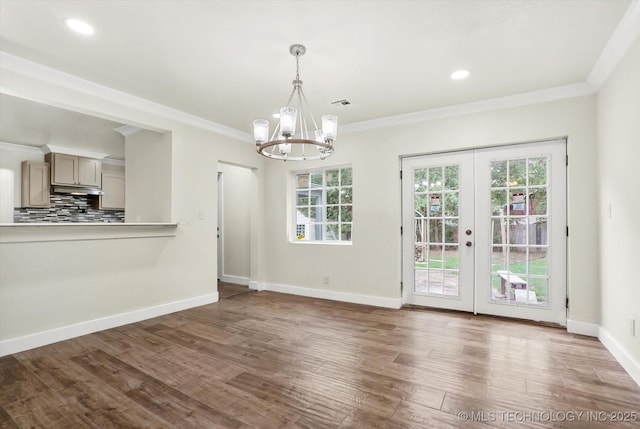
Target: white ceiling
29 123
228 61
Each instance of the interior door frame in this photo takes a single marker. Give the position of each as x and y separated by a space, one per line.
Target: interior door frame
220 227
408 283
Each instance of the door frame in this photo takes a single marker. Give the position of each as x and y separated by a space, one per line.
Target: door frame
220 227
408 283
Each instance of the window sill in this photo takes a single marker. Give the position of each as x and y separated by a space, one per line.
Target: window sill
318 242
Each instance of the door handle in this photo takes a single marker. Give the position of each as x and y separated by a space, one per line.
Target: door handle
468 244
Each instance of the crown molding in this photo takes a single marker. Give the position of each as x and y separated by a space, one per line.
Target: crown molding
16 147
49 75
114 161
499 103
127 130
49 148
625 34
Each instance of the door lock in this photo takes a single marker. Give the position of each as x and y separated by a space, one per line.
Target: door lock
469 244
468 232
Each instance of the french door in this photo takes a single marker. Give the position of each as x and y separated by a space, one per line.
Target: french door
485 231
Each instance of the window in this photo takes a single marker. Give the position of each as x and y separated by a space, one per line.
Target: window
323 205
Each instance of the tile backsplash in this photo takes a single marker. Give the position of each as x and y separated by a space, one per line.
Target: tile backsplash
67 208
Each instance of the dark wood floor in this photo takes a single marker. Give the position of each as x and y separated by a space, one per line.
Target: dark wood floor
229 290
267 360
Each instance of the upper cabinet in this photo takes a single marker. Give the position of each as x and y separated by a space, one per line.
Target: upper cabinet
74 170
35 184
113 185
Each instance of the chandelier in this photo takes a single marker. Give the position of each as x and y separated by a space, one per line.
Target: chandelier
308 141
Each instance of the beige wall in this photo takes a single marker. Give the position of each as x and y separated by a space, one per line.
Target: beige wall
148 177
11 159
619 182
49 285
237 193
372 265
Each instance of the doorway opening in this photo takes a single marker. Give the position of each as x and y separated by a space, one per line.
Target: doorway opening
234 239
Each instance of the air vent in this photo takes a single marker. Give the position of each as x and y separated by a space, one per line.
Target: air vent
344 102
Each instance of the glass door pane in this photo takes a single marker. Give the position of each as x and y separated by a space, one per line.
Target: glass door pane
521 220
435 208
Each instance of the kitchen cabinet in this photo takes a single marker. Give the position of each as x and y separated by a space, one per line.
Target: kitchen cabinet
112 197
35 184
74 170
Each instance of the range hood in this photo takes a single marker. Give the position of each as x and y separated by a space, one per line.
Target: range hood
76 190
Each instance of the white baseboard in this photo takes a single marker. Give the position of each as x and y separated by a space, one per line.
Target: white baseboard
19 344
254 285
376 301
627 361
244 281
582 328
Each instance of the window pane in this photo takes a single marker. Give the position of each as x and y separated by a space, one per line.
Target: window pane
498 258
538 261
315 197
540 289
345 177
333 196
499 228
302 180
332 213
435 179
538 171
518 260
332 177
517 172
499 174
346 196
517 202
451 231
498 202
302 198
331 231
345 214
435 231
451 204
538 231
421 179
345 230
451 283
316 179
421 205
451 177
304 211
538 201
435 205
518 232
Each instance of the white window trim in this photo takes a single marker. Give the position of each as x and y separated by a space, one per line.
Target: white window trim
292 225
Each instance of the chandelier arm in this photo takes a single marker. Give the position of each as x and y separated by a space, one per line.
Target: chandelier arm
304 132
315 124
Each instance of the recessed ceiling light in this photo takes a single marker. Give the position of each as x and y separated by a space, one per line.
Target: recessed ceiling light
79 26
276 115
460 74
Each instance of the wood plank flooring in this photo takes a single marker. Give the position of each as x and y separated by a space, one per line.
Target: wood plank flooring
268 360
